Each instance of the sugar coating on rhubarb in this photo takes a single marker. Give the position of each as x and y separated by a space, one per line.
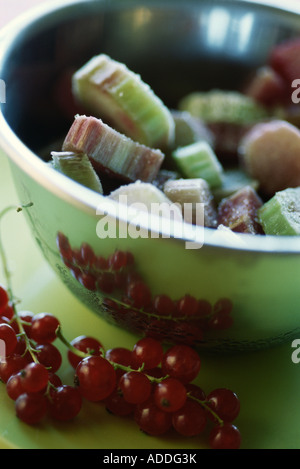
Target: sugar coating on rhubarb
198 160
281 214
112 92
111 151
224 106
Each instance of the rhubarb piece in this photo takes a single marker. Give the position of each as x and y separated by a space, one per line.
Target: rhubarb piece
285 60
163 176
227 140
198 160
78 167
268 88
112 92
281 214
270 153
112 152
144 196
234 179
228 115
190 129
196 200
239 211
229 107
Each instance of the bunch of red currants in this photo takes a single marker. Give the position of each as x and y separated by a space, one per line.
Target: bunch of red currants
153 385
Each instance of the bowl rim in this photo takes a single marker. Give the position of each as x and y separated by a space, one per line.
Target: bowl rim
90 202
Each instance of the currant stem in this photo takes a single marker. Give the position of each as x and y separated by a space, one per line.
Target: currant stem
116 365
207 408
2 253
73 349
9 288
166 317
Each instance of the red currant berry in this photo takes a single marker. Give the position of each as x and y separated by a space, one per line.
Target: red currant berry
164 305
65 403
4 299
64 246
195 391
34 377
85 344
225 436
140 294
170 395
9 338
120 280
75 272
148 352
120 355
56 382
13 323
49 356
135 387
8 312
21 348
31 408
105 282
132 277
88 281
181 362
11 365
117 405
225 403
96 378
223 305
187 306
43 328
100 263
14 386
87 255
190 420
220 322
76 257
118 260
152 420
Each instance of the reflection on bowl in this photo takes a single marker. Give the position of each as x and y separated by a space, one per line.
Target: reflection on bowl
220 295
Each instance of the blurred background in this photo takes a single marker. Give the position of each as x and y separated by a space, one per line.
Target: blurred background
9 10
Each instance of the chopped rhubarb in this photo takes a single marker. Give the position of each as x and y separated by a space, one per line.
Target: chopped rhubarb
196 200
270 153
239 211
268 88
227 138
112 152
285 60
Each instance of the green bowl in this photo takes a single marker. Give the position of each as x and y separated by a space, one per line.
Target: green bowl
176 47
